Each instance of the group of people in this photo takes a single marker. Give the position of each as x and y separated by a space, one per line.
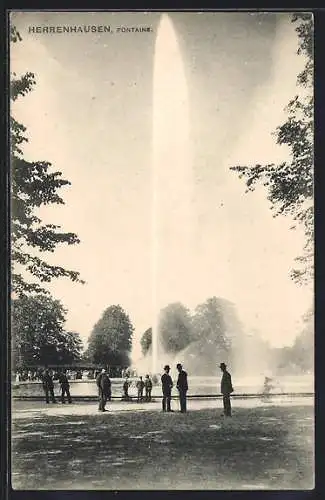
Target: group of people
144 385
182 387
105 391
104 388
48 387
28 376
167 385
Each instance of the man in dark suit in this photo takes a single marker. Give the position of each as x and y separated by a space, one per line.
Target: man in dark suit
104 389
126 386
140 387
65 386
167 384
148 388
182 387
226 389
48 386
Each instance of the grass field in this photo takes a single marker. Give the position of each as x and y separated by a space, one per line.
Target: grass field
269 447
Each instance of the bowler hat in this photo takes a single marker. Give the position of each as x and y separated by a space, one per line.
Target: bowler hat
166 367
222 365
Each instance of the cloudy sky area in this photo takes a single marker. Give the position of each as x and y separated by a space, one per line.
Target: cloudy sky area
92 116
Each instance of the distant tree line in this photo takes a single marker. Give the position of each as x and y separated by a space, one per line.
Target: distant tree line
300 356
202 336
214 333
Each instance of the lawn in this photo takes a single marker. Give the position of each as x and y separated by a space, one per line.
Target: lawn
269 447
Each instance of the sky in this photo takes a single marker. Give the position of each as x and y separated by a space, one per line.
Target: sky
204 89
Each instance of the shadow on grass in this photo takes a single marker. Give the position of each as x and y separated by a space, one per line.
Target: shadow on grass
266 448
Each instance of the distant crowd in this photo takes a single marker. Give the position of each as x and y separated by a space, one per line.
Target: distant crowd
37 375
144 388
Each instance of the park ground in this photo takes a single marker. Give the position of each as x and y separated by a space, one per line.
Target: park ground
75 447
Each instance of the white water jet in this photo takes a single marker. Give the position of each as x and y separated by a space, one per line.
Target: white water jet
172 176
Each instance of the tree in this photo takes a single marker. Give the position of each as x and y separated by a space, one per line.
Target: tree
290 184
209 324
174 327
303 348
215 330
33 184
110 341
38 334
146 341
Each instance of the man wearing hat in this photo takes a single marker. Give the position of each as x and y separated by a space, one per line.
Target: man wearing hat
65 386
167 384
226 389
104 389
48 386
182 387
148 387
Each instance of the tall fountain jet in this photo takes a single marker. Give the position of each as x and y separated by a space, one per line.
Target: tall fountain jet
172 177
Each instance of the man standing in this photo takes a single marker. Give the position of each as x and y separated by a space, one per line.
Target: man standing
65 386
126 385
48 387
226 389
104 389
167 384
148 388
182 387
140 387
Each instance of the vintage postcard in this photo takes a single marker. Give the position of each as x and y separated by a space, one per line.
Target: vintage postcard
162 250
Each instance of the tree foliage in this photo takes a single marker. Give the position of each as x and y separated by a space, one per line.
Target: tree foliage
110 341
174 327
290 184
210 325
33 185
302 352
38 333
213 326
146 341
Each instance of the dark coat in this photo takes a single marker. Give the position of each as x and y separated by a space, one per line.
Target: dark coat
140 385
167 384
63 380
104 384
182 381
148 383
47 381
226 384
